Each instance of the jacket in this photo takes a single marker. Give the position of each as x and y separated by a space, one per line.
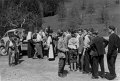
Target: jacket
61 47
98 45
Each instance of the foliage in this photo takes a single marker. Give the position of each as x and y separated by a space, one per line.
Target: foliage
75 17
62 13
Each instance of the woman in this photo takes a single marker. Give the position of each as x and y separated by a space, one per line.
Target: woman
30 51
50 46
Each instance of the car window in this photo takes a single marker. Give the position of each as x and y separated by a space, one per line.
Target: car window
5 35
10 33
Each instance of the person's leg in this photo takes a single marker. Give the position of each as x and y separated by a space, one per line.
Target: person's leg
86 63
64 61
101 62
112 70
66 58
61 67
29 50
79 62
111 66
95 67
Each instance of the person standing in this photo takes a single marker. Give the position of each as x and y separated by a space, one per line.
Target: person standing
80 49
97 47
61 54
113 50
73 51
30 50
85 59
50 47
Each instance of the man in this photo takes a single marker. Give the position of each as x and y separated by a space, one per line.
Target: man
114 44
80 49
85 56
38 45
97 46
61 54
12 43
67 37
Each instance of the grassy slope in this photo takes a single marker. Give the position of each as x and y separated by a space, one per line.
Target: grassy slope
114 12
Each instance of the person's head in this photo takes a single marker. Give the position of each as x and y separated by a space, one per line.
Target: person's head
111 29
90 31
85 31
2 41
80 31
60 34
11 37
36 31
95 33
73 33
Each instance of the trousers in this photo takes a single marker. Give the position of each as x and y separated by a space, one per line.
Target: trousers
96 60
61 65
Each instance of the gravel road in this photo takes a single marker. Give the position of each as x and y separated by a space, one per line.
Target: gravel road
43 70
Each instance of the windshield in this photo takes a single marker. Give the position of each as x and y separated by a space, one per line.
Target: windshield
5 35
10 33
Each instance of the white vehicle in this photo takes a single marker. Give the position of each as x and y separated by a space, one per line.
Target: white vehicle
7 34
21 31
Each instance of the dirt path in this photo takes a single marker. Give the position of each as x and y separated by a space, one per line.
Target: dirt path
43 70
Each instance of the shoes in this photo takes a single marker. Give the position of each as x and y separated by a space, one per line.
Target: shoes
102 76
95 77
110 77
85 72
61 75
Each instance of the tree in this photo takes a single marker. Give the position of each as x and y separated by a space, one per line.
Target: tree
83 7
117 1
91 8
75 18
61 12
104 16
19 12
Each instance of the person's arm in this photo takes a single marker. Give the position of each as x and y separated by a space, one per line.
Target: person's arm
118 43
92 44
105 42
110 45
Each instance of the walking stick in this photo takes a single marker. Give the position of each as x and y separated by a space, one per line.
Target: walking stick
82 58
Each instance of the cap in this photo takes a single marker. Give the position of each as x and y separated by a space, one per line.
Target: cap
112 28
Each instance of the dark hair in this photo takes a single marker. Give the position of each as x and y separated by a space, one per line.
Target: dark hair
95 32
60 34
81 30
86 29
112 27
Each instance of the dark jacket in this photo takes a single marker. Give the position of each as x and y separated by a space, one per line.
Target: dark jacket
98 45
114 44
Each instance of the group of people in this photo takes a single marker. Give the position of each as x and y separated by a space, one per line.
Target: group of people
81 49
84 50
40 44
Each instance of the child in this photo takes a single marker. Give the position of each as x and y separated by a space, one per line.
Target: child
73 47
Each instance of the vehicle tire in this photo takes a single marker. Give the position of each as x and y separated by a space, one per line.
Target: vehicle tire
2 52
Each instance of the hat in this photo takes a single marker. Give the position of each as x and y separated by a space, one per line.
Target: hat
112 28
